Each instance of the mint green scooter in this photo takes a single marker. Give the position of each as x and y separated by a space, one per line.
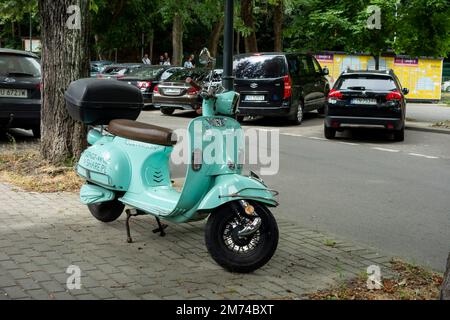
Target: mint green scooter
128 165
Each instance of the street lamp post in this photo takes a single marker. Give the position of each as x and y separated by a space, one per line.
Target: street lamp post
228 79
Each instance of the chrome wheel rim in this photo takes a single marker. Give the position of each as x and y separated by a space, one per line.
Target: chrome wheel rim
234 243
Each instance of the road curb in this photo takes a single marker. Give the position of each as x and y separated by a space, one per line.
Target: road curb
427 129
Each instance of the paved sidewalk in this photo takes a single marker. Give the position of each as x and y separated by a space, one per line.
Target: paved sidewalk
42 234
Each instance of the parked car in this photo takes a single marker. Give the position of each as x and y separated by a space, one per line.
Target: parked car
117 71
147 77
446 86
98 67
20 90
367 98
175 93
280 85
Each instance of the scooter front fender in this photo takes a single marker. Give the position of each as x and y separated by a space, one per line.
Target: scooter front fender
232 187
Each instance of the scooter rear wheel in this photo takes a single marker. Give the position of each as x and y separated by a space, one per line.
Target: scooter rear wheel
241 255
107 211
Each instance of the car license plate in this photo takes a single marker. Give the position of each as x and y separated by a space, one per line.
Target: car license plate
13 93
255 98
364 101
172 91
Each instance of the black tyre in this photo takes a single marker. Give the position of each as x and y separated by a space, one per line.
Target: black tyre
107 211
321 111
241 255
36 132
399 135
330 133
297 117
167 111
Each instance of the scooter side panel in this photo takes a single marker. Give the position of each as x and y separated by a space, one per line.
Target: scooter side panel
234 187
106 165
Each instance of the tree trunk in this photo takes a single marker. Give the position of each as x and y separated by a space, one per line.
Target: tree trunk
238 42
377 61
150 52
278 17
177 40
65 58
445 290
251 44
215 37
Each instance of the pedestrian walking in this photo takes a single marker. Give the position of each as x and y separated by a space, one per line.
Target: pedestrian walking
146 59
166 59
188 64
161 60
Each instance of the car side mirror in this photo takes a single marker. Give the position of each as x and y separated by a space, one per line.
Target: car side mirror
405 91
325 71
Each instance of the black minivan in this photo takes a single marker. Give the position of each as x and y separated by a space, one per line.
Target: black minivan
280 85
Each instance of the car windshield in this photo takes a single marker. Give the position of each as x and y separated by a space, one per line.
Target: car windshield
259 67
195 74
147 73
18 65
369 83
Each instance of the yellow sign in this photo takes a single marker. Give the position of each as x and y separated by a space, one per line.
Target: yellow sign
422 76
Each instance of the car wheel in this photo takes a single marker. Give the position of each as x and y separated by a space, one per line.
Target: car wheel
167 111
297 117
240 119
36 132
330 133
321 110
400 135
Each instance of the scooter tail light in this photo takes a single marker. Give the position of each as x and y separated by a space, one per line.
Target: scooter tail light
394 96
287 87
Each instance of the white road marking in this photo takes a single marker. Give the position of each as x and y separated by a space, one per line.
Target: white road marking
349 143
317 138
292 135
385 149
423 156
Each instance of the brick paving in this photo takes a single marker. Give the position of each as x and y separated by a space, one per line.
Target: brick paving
41 235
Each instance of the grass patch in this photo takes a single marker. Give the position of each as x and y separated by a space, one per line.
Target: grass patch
446 98
409 282
28 171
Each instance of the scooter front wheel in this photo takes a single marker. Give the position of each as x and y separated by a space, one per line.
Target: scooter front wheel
237 253
107 211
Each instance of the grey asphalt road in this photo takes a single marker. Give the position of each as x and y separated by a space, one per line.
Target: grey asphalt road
363 186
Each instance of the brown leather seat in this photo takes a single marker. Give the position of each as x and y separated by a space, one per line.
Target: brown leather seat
142 132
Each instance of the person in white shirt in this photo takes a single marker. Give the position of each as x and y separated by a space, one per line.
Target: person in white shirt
188 63
146 59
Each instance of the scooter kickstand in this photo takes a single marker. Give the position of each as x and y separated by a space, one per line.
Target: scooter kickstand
127 224
161 228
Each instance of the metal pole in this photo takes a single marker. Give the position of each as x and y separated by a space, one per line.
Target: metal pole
228 79
31 32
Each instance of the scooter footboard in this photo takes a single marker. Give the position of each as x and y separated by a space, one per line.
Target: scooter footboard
228 188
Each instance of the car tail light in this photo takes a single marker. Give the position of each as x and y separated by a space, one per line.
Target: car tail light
335 94
40 86
144 84
156 89
394 96
287 87
192 91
